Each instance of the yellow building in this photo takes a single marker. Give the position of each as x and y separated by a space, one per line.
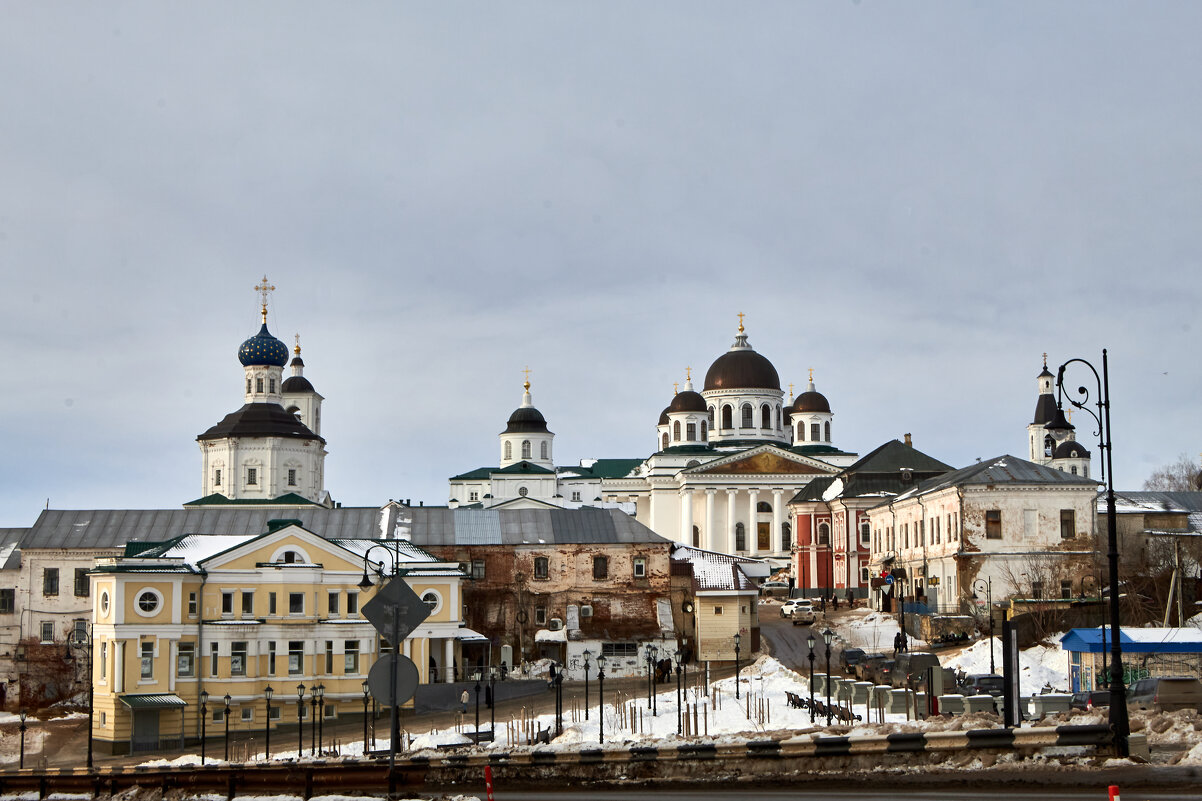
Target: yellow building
233 615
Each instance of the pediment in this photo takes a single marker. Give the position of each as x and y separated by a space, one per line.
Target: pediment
768 461
269 548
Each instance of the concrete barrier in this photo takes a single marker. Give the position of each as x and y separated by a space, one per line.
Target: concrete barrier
898 703
951 704
979 703
860 691
1050 704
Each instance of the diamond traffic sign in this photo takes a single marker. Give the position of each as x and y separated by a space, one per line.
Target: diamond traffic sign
396 611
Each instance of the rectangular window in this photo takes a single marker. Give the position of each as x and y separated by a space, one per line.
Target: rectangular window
104 661
352 603
271 385
1068 524
185 660
271 603
219 715
213 653
330 711
296 603
147 660
191 604
276 711
291 477
271 657
640 567
576 496
922 532
217 478
8 601
81 628
258 384
296 657
993 524
248 714
47 631
473 496
1066 589
863 575
81 582
477 569
541 564
540 615
50 581
866 533
332 602
600 568
691 432
329 657
385 646
717 610
1036 589
248 602
252 476
620 650
227 602
350 657
238 658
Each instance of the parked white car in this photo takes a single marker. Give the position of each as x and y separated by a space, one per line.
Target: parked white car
803 613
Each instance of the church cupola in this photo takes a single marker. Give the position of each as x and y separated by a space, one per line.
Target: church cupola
743 397
263 358
526 438
688 416
810 416
298 395
1041 445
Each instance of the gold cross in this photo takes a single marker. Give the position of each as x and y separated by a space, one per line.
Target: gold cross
527 372
675 387
1045 361
741 315
790 392
296 350
688 374
811 375
263 288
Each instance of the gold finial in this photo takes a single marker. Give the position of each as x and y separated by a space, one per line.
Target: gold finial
811 375
675 387
688 374
263 288
1045 361
741 316
526 385
296 349
790 393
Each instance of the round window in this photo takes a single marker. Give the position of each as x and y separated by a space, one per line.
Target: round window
522 491
148 602
104 603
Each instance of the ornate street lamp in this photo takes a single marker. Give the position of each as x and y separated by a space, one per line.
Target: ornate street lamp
601 698
21 764
477 707
321 714
300 721
394 718
1119 721
366 694
587 655
82 639
655 690
559 702
828 637
226 717
492 703
313 721
679 720
267 693
204 713
738 639
987 583
810 640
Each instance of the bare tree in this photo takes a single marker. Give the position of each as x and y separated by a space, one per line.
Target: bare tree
1179 476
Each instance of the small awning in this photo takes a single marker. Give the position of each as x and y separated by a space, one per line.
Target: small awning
467 635
153 701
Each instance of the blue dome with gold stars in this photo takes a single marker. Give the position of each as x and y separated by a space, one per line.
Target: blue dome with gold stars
263 349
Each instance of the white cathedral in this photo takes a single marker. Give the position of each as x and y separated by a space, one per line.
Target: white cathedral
728 459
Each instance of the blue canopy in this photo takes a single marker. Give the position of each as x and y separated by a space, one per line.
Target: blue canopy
1137 641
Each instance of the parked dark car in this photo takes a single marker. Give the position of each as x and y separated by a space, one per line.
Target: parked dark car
912 668
865 667
1091 698
983 684
850 657
1166 693
882 672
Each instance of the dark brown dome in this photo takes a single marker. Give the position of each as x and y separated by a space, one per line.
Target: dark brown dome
688 401
526 418
741 368
811 402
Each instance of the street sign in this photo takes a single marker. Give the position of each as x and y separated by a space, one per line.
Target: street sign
406 678
888 579
396 604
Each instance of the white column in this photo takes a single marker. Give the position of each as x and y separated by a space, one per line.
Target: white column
753 539
711 539
730 521
449 651
777 538
686 516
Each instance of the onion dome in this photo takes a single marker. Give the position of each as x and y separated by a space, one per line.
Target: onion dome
663 416
1059 422
1070 449
526 418
811 400
741 368
297 381
688 401
263 350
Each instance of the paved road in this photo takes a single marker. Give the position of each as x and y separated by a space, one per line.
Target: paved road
727 793
787 643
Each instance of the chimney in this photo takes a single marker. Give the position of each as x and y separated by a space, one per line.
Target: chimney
908 441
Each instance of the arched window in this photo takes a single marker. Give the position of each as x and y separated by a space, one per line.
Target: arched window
705 432
1048 442
525 449
711 417
664 446
543 449
691 432
745 414
508 450
786 537
258 385
801 432
780 420
763 507
1072 469
827 426
815 432
675 433
727 417
766 416
696 537
740 537
824 534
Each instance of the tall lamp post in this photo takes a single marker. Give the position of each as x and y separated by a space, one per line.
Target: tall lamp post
23 715
204 713
300 721
477 706
226 718
321 713
366 694
679 719
828 636
738 638
1119 722
987 583
810 640
601 698
313 720
267 693
82 639
559 703
587 655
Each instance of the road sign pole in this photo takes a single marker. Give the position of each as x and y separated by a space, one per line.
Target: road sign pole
392 701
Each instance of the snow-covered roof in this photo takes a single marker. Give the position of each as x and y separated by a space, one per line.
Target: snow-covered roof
1149 640
720 571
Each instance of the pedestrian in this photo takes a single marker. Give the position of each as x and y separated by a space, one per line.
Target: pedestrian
835 601
463 700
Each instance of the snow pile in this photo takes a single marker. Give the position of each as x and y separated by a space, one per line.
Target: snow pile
1040 666
434 739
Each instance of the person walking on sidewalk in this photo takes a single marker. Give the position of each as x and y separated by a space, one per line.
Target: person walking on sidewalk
463 701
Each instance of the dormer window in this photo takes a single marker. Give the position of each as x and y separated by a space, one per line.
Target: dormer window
289 557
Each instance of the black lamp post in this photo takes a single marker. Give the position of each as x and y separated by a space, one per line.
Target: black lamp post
987 583
559 702
267 693
828 636
82 639
321 713
313 720
810 640
300 720
679 713
477 707
655 690
204 713
21 764
601 698
395 721
649 653
587 655
492 704
738 638
1118 692
226 717
366 694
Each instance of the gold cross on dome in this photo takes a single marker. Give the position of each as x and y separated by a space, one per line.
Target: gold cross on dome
263 288
296 350
790 392
1045 361
688 374
741 316
527 372
811 375
675 387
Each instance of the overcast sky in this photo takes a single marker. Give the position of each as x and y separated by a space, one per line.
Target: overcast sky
914 199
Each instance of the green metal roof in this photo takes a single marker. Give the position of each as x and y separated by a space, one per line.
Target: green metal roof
614 468
153 701
217 499
478 473
525 468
